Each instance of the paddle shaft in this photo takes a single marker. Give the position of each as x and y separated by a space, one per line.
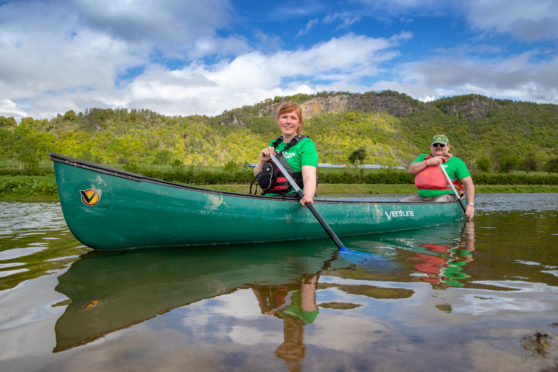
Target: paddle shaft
453 188
310 206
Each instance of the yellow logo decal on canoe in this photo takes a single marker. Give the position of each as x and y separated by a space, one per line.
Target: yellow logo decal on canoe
90 197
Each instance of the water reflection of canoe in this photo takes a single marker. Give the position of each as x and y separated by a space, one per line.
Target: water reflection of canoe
415 240
440 253
114 290
106 208
109 291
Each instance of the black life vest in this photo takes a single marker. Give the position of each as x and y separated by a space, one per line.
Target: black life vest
270 179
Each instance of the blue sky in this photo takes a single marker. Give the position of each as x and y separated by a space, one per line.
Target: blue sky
203 57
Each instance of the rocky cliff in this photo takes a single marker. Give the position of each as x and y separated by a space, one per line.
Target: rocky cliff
395 104
472 107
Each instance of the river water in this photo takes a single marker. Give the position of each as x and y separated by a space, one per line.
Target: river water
472 296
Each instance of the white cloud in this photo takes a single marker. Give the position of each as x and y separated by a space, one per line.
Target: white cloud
181 58
254 76
345 18
166 23
527 20
9 108
309 26
51 54
68 55
518 77
210 89
410 7
209 45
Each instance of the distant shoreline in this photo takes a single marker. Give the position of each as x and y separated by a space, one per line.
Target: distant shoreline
23 196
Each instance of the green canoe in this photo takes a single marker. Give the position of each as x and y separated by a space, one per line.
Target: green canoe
107 208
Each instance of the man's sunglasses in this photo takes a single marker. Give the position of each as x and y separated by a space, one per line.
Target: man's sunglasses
438 145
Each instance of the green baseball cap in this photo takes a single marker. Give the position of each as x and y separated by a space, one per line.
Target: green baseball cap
440 138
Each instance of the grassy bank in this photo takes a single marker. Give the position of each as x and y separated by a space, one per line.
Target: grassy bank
28 188
43 189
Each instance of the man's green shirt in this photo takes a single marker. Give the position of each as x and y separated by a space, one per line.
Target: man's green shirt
456 170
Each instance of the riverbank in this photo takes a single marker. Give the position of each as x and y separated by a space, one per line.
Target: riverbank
43 189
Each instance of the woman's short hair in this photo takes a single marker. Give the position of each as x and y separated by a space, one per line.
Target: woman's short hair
285 108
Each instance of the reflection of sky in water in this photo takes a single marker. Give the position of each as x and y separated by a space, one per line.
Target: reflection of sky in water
518 297
236 318
4 273
19 252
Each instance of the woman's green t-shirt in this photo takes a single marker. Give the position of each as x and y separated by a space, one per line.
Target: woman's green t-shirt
303 153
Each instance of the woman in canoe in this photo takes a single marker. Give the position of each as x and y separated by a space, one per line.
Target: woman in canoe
295 151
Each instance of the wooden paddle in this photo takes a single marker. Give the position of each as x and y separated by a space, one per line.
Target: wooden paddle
310 206
452 187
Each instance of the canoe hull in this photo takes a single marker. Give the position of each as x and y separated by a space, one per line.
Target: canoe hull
107 208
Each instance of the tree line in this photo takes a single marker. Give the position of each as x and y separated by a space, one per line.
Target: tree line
510 136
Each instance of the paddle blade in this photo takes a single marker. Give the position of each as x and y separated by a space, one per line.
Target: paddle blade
368 261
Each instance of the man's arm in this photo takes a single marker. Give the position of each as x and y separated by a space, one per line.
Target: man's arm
416 167
470 195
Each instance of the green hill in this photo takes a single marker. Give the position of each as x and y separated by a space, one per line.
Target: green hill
392 128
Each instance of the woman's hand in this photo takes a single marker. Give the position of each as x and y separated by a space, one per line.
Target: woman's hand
265 155
306 199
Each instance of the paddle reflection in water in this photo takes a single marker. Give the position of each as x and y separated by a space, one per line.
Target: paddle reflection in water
436 255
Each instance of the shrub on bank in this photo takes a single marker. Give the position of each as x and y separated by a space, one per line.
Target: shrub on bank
388 177
243 175
514 179
28 185
193 176
197 177
25 172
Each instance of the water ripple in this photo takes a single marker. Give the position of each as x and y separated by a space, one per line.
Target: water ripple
517 202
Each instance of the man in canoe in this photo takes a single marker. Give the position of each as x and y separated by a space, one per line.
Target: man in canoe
432 183
295 151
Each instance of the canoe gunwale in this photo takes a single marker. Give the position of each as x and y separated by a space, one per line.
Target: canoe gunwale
137 177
